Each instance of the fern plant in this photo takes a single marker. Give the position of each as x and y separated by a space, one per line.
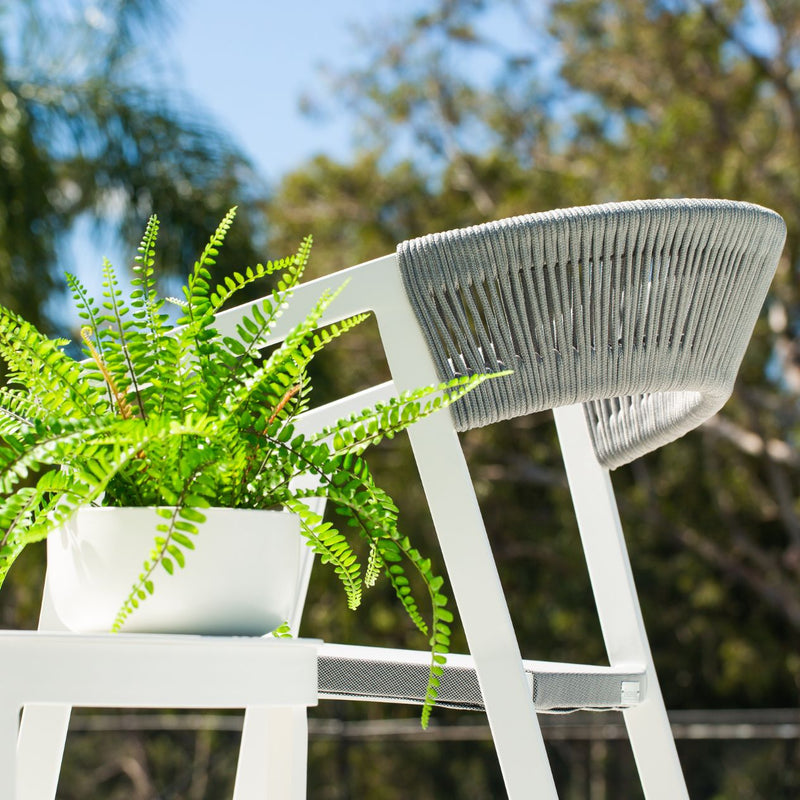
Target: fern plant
179 417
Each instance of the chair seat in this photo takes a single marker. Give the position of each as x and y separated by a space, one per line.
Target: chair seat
401 676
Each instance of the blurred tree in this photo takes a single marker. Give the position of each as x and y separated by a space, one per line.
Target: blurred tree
473 111
92 126
92 129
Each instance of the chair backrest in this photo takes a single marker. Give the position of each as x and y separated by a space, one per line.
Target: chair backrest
642 311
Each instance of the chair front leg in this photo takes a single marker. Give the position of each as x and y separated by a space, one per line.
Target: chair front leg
478 593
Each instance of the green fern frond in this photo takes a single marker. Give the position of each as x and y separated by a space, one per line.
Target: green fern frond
170 548
117 358
236 362
16 512
290 354
87 308
239 370
311 340
193 487
295 271
373 513
90 314
237 281
198 288
198 317
18 410
367 428
145 349
30 514
42 368
332 548
374 566
144 280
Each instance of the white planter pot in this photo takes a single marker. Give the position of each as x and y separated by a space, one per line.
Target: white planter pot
241 578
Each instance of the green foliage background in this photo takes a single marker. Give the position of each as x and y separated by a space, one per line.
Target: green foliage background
473 111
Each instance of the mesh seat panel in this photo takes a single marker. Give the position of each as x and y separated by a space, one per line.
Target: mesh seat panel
642 311
370 674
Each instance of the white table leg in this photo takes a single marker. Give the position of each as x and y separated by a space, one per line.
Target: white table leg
9 728
40 749
273 757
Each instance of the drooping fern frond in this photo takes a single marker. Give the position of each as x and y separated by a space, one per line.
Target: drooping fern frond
375 565
332 547
17 410
29 514
370 511
16 512
53 444
173 539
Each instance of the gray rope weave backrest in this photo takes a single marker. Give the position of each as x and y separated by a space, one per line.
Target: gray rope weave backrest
642 311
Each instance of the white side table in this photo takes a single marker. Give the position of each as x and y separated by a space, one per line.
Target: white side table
158 671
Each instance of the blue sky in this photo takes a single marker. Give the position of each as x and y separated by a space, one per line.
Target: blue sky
250 62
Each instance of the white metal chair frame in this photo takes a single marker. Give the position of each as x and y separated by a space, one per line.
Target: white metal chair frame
584 433
675 286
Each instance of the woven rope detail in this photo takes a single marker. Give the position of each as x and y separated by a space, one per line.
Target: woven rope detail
642 311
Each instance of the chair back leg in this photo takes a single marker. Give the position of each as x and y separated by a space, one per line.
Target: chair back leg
618 605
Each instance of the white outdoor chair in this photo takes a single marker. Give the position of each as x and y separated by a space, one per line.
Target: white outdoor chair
630 320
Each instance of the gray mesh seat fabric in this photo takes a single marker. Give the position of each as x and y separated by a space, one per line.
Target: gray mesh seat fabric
640 310
401 676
